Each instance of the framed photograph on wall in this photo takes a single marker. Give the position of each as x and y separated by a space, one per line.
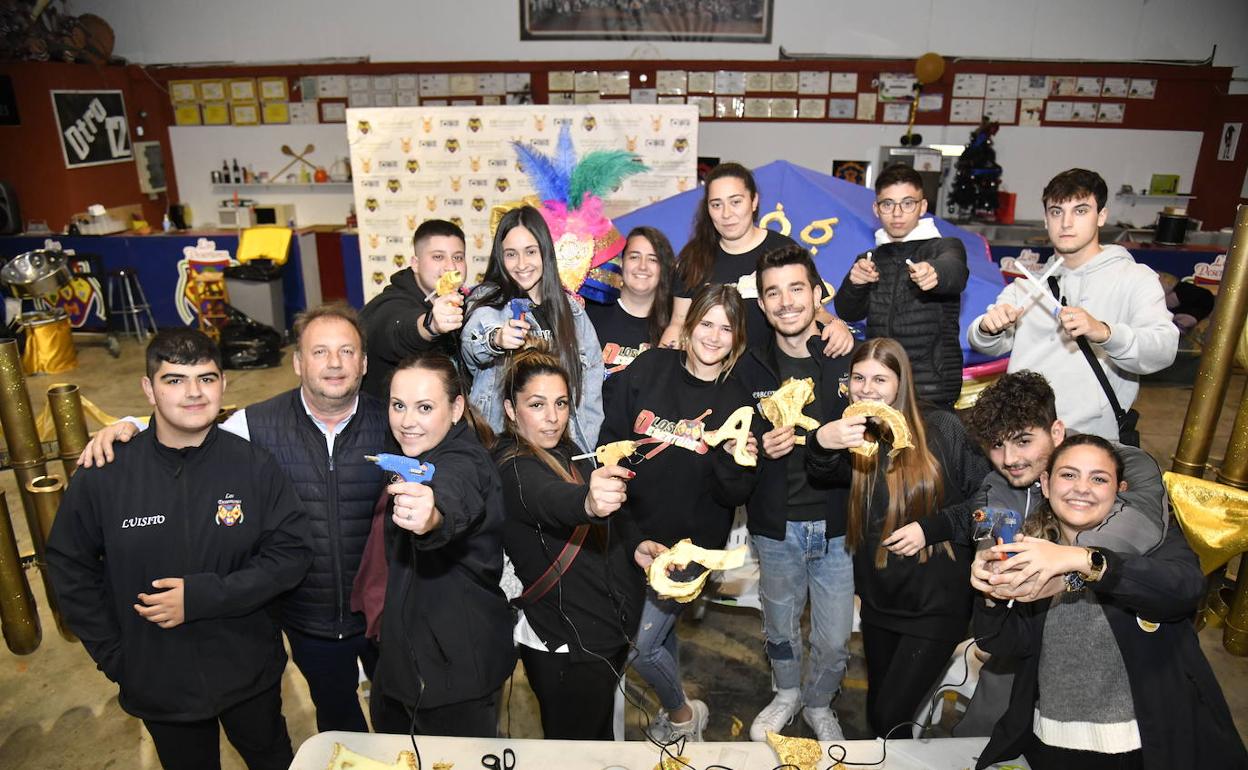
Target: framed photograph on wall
93 127
740 21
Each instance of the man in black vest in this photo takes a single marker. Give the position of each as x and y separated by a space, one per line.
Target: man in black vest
319 434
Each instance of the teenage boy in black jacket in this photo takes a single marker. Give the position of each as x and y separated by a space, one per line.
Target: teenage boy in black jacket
166 562
406 318
798 551
910 286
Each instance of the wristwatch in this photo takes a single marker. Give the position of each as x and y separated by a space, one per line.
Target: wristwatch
428 323
1096 565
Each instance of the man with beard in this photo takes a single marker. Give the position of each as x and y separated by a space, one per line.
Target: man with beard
319 434
1015 422
798 529
1118 305
408 317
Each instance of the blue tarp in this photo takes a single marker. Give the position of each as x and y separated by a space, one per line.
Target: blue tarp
809 200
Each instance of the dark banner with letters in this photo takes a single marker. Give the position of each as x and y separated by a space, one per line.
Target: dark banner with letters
93 127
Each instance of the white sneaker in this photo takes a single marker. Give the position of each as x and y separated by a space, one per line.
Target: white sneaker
665 731
775 716
824 722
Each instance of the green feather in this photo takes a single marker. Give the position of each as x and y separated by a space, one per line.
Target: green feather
600 172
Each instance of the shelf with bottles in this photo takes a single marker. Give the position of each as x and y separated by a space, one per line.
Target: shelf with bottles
337 187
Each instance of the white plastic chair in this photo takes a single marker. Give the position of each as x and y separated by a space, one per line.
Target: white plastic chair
961 677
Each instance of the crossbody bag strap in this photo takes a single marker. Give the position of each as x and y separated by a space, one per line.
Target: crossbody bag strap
562 563
1086 348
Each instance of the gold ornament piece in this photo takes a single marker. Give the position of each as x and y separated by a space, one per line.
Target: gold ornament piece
613 453
736 427
574 255
786 226
824 228
344 758
804 753
892 418
1214 517
682 555
784 407
673 763
449 282
443 765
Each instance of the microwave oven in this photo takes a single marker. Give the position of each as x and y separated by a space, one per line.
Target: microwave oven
282 214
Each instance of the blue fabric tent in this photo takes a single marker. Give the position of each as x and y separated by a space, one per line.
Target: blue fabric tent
808 201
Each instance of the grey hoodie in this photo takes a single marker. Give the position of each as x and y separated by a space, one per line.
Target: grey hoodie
1115 289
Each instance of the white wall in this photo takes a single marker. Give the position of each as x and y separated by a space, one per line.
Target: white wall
198 151
181 31
1030 156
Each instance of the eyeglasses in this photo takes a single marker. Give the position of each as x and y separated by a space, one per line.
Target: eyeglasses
907 205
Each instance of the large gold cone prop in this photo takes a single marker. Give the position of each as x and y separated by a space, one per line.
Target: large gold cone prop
46 491
19 617
1213 377
65 402
20 435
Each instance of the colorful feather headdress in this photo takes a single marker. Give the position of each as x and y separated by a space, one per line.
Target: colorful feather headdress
571 193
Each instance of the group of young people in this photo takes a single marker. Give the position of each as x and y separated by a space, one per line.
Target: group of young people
499 397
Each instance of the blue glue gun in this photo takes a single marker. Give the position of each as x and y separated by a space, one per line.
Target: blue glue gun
999 524
519 307
407 468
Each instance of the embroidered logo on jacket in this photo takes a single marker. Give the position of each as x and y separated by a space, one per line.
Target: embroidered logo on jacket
229 511
686 434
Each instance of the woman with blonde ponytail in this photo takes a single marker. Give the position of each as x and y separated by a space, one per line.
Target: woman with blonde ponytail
916 603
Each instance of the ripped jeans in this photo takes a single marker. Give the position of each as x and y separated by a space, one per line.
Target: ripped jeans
805 563
657 655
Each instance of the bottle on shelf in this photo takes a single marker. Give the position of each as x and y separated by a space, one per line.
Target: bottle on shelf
225 172
237 174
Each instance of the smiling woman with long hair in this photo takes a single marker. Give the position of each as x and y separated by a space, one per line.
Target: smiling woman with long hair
666 401
915 608
523 267
446 629
578 561
639 317
1112 674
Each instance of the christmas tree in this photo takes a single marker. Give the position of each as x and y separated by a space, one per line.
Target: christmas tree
978 175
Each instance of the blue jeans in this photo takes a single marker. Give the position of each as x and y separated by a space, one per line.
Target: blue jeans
657 657
805 562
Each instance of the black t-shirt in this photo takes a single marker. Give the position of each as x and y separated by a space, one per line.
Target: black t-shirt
728 268
623 336
805 503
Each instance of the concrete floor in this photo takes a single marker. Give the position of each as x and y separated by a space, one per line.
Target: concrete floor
57 711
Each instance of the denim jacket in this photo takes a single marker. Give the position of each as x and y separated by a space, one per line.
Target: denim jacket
484 362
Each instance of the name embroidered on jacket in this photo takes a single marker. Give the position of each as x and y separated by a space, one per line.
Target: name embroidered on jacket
142 521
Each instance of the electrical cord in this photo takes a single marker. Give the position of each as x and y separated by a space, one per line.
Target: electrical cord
665 748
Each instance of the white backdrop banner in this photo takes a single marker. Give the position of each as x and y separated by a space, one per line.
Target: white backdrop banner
410 164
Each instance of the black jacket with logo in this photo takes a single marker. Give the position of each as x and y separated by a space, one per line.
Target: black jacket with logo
678 492
759 372
338 495
223 517
446 626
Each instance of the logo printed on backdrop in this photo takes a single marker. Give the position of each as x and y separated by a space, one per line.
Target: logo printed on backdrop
465 184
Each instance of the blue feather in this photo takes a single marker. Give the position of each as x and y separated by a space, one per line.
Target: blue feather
549 182
565 153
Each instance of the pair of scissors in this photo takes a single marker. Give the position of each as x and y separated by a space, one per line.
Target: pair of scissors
492 762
